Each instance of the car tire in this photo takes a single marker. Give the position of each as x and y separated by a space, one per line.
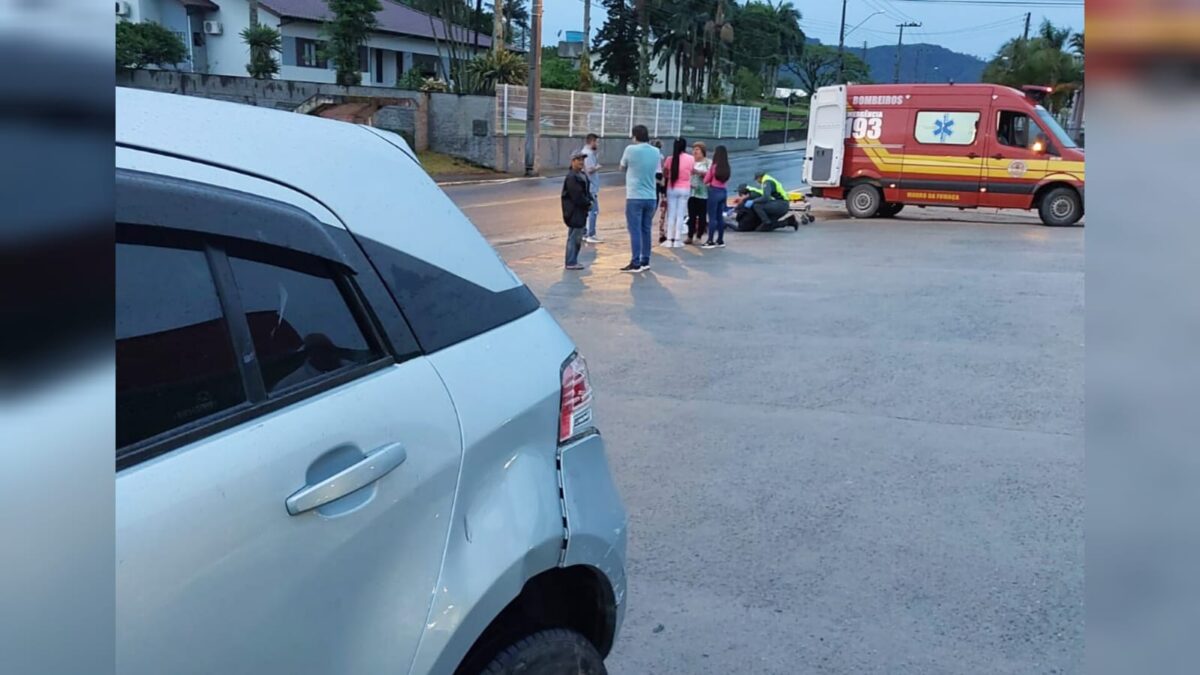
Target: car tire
889 209
1060 207
863 201
549 652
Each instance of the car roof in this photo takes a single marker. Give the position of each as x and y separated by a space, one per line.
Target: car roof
367 177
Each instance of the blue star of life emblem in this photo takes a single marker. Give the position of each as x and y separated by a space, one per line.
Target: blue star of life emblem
943 128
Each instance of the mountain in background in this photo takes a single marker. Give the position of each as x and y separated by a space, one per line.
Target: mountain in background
919 63
922 63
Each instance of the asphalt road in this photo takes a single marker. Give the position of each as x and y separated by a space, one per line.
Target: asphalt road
853 449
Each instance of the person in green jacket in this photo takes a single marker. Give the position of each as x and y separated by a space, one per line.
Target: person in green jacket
772 206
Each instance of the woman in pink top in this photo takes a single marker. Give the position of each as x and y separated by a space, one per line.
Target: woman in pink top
678 172
716 178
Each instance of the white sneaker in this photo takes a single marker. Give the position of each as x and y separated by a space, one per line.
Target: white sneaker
597 239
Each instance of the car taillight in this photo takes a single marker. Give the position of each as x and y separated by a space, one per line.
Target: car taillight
575 404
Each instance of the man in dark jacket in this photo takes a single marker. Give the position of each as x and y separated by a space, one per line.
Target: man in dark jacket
576 203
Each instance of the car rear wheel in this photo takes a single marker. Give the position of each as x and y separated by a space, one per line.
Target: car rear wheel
863 201
549 652
1060 207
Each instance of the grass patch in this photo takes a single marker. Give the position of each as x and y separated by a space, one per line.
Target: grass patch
778 125
438 164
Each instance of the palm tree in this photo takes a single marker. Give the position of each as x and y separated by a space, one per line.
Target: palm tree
1056 38
1077 43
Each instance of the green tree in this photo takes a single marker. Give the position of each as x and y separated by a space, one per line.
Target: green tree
352 21
818 67
557 72
747 85
1040 60
147 44
615 44
264 41
766 37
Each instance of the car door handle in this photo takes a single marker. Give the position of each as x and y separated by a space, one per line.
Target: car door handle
972 155
997 156
361 474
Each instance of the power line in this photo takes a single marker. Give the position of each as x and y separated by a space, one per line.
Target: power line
1000 3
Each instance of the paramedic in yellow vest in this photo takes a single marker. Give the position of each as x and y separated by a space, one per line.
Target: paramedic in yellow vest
772 206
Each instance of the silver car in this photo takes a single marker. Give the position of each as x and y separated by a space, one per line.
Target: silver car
349 439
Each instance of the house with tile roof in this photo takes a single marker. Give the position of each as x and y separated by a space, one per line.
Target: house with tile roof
404 39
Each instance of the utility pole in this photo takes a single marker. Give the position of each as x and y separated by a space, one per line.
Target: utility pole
899 44
498 26
533 117
478 16
1028 16
841 46
585 58
864 51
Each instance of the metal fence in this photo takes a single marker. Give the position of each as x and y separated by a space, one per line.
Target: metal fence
576 113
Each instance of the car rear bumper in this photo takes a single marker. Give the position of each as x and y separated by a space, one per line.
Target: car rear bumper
596 520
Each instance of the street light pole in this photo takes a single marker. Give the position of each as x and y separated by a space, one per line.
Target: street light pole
841 48
533 117
899 44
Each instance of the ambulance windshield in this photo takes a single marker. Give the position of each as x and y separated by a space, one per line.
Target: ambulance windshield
1055 128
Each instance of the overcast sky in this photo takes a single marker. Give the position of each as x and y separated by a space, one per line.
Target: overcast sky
966 28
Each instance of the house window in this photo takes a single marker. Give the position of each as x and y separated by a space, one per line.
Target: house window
364 62
946 128
426 64
399 64
379 66
308 54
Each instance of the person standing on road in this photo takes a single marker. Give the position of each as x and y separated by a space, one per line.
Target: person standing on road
716 179
591 167
639 162
678 174
576 203
697 221
660 194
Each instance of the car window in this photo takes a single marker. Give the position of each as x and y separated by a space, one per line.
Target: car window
1016 130
946 128
175 358
300 323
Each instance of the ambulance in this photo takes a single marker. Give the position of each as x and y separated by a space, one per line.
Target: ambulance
882 147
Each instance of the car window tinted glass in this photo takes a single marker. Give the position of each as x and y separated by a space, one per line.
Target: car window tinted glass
300 323
175 358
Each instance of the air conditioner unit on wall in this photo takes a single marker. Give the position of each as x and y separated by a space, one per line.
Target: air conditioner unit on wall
212 27
122 8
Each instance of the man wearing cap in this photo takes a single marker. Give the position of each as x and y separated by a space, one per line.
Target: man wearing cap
772 206
576 202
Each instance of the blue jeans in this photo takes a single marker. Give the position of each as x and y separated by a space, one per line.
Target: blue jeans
574 243
716 213
639 217
591 225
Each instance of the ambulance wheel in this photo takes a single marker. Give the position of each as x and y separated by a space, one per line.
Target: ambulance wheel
888 210
1060 207
863 201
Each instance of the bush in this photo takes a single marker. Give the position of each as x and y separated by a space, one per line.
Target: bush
414 81
263 41
147 44
495 68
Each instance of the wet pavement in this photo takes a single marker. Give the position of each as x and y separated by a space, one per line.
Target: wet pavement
856 448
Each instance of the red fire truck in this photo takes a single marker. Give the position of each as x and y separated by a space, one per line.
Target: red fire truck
880 147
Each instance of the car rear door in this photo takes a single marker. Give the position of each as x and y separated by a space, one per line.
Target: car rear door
826 149
286 460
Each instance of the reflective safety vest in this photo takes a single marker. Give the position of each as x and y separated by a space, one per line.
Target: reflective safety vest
769 180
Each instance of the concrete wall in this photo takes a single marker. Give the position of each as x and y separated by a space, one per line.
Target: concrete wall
282 94
463 126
